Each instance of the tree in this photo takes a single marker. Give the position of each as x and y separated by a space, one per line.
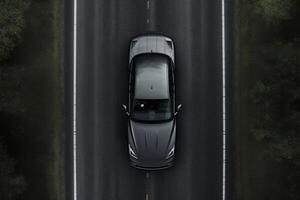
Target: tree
274 96
11 185
274 10
275 100
11 87
11 23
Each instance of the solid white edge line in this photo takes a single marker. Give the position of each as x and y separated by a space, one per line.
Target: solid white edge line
74 99
224 101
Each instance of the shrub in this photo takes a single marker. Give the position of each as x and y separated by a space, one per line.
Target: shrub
11 185
274 10
11 23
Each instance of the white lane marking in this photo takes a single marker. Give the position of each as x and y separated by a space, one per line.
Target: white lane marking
147 196
224 100
148 21
147 175
148 4
74 99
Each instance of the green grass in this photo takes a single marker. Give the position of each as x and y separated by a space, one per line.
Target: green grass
258 176
39 147
249 179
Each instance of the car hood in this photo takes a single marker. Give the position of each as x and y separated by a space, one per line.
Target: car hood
152 141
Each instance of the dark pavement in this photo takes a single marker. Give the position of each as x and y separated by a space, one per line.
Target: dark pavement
104 31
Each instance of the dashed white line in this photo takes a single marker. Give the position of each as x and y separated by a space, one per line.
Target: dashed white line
224 102
148 4
74 99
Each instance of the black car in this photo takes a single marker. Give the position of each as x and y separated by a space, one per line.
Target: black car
151 110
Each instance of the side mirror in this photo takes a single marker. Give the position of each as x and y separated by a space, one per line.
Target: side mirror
125 109
179 107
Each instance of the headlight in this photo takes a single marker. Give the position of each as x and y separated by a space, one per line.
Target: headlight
131 152
171 153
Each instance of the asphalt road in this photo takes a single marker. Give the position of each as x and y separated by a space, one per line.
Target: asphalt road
104 31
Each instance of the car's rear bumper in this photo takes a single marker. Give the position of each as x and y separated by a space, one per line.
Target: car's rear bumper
151 43
153 33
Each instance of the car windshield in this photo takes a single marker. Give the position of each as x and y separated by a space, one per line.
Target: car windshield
151 110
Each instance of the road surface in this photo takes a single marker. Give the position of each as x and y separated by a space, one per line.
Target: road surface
104 29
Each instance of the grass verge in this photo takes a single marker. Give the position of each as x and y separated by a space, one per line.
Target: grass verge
34 74
266 169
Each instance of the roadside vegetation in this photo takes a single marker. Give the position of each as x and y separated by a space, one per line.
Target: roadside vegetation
31 100
268 133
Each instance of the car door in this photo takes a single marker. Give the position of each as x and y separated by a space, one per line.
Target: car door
131 86
172 85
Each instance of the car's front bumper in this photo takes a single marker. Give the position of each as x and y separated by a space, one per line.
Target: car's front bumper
152 165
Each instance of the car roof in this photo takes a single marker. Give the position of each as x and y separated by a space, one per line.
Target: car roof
151 76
